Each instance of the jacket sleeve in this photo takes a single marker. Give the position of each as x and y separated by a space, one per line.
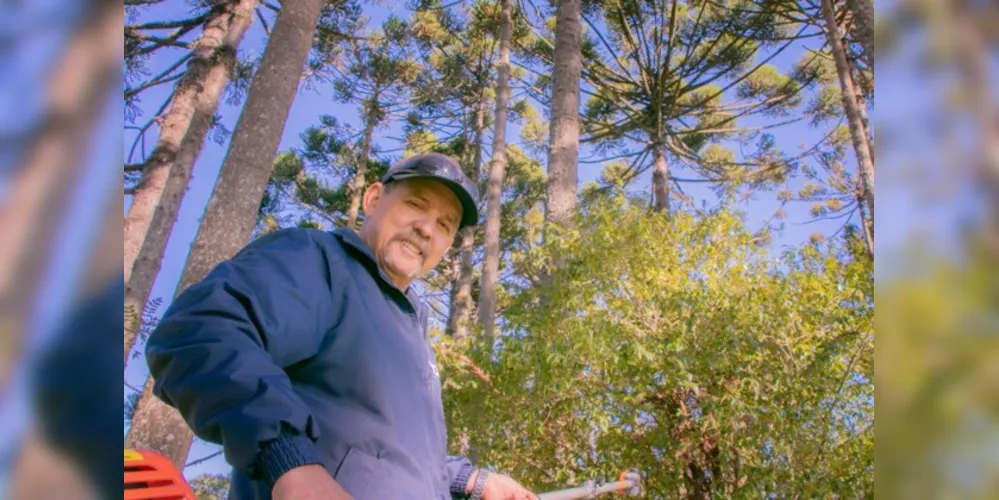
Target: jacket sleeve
459 470
220 351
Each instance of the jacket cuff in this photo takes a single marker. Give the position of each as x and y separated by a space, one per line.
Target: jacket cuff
459 486
286 452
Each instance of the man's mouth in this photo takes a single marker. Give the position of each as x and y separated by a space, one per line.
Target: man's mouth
412 248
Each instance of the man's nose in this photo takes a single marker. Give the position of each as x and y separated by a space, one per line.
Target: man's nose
423 227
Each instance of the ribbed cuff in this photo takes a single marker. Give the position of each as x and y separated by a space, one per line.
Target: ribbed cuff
459 486
283 454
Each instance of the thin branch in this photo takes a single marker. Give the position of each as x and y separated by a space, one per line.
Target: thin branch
166 25
141 138
267 29
203 459
160 78
158 42
472 367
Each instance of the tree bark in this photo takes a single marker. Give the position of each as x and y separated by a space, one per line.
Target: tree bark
167 172
452 318
461 312
660 179
861 144
497 170
563 149
231 212
78 87
867 225
357 189
863 28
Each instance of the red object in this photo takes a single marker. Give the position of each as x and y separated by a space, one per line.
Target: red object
151 476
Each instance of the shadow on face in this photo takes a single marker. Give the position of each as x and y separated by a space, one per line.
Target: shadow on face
410 224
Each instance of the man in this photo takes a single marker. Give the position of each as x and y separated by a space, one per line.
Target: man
306 357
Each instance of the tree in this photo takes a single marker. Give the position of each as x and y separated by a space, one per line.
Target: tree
451 97
232 208
490 270
863 27
377 75
167 171
859 132
310 185
670 81
563 144
679 353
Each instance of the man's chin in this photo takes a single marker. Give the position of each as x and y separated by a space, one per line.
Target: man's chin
408 270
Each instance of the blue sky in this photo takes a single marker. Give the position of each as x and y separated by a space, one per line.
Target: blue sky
310 104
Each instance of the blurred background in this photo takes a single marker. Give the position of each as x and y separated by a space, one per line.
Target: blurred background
936 266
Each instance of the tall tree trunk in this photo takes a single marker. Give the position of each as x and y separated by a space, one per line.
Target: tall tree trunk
563 149
461 312
861 145
229 218
497 170
167 172
357 188
867 225
452 318
78 88
660 178
863 28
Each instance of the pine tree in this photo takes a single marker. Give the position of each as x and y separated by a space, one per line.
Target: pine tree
660 75
377 75
563 143
859 132
451 99
490 269
167 171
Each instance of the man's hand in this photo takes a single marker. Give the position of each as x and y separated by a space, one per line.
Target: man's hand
500 487
309 482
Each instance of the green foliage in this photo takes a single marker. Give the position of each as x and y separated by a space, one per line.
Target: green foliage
681 349
936 371
310 185
681 76
766 82
210 486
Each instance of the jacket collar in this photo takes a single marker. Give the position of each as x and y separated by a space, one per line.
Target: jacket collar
354 240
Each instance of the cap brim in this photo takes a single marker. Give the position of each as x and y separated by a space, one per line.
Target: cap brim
469 209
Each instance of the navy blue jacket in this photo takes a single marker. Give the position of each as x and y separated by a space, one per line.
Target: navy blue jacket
300 350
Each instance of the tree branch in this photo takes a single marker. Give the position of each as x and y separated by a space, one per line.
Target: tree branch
263 22
203 459
165 25
160 78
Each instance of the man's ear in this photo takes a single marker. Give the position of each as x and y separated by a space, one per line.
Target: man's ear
371 196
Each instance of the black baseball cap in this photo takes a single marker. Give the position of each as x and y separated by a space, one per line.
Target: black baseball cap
441 168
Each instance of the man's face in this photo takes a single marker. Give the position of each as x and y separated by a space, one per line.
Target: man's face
410 226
